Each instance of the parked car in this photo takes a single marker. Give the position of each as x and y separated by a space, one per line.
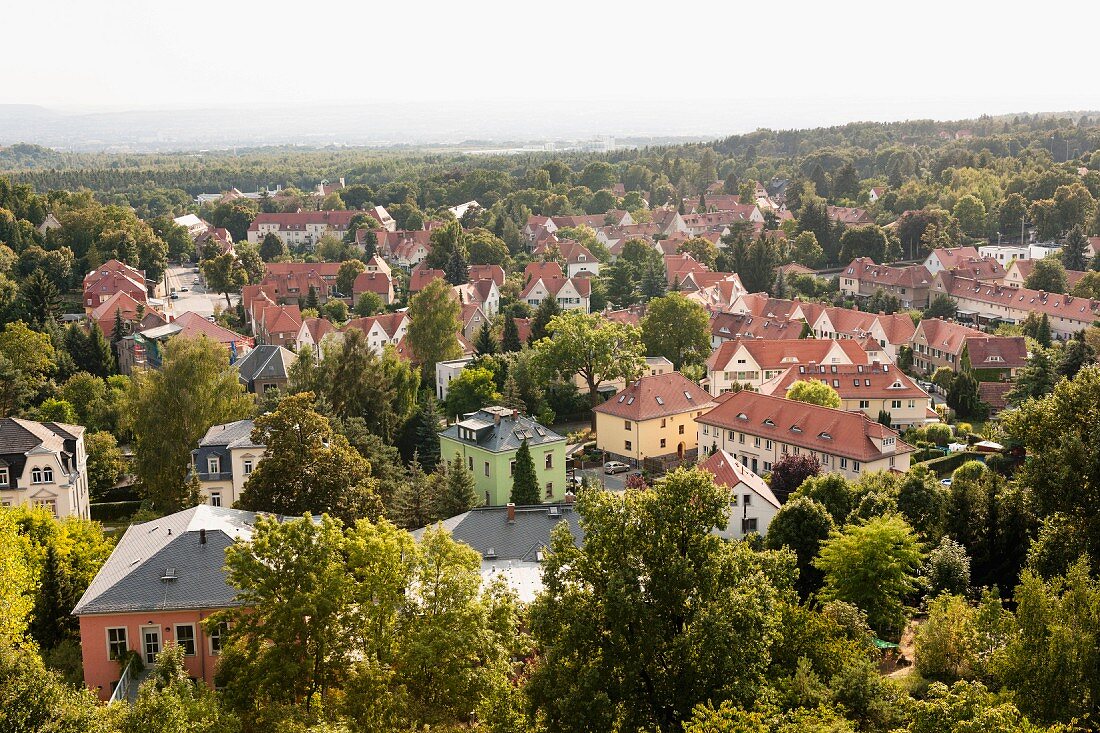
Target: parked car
612 467
945 482
175 296
183 290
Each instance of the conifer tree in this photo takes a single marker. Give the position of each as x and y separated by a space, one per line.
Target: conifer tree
1075 251
421 434
525 484
415 500
485 344
456 489
510 340
48 627
547 309
311 298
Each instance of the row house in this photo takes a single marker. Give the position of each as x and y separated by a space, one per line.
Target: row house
44 465
679 266
762 304
301 228
872 389
311 336
889 331
612 218
980 268
751 362
572 293
291 281
163 579
110 278
732 326
722 221
987 303
1018 271
996 358
938 343
862 278
224 460
759 430
652 417
279 324
752 503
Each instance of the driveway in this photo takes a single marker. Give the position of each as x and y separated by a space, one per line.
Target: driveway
197 299
615 482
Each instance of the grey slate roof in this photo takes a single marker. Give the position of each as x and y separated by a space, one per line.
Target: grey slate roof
487 528
230 435
266 361
507 435
132 578
20 436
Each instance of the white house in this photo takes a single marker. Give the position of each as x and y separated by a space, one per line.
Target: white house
752 503
445 371
44 465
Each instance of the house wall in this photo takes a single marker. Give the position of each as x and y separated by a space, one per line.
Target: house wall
66 496
644 437
758 452
226 485
101 673
740 510
497 486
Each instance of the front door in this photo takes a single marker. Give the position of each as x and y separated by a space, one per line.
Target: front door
150 642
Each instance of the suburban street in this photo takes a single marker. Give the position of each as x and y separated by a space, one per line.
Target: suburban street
196 299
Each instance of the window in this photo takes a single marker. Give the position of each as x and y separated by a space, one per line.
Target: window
756 442
215 498
663 442
216 635
3 476
247 463
681 431
36 475
767 445
748 499
47 475
844 463
864 404
663 422
855 466
628 445
486 468
470 462
116 643
49 504
706 430
213 464
549 461
626 425
741 438
895 404
512 467
748 525
549 489
185 637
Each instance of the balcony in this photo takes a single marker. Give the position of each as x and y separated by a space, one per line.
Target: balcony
219 476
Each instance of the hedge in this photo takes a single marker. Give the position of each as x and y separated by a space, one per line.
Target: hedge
948 464
113 511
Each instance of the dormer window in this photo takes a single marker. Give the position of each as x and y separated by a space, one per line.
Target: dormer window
825 436
796 429
769 422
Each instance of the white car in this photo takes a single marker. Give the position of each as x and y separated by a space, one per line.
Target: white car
612 467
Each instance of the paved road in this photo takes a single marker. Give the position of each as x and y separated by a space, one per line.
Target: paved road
615 482
196 299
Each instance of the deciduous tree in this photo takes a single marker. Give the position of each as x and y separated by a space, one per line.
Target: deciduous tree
677 329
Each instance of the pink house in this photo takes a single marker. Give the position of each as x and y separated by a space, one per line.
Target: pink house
162 580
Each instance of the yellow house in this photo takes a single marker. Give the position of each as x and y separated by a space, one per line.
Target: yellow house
653 417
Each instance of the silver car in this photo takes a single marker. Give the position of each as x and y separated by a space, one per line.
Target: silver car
612 467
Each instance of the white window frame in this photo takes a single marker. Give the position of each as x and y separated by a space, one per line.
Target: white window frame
213 464
4 478
125 640
215 498
194 640
215 637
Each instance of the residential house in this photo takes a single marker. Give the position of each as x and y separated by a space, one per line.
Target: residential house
224 460
889 331
984 269
380 330
144 349
715 291
405 248
751 362
378 282
873 389
1005 253
163 579
445 371
311 335
120 305
44 464
722 221
49 224
988 303
849 216
654 365
279 324
578 259
481 293
488 272
265 368
572 293
487 441
679 266
291 281
862 278
948 258
301 228
113 277
513 541
758 430
752 503
420 276
651 418
996 358
731 326
938 343
668 221
471 318
875 193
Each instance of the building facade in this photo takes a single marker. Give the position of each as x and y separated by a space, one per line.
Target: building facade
225 458
44 465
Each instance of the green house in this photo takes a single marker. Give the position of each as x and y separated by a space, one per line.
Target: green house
487 441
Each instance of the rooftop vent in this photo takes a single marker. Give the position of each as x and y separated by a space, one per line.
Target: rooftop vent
169 575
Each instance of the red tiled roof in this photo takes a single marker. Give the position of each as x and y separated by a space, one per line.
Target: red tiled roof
980 268
898 327
849 215
952 257
281 319
421 276
851 381
746 325
535 270
300 219
487 272
944 335
390 323
372 282
554 285
658 395
778 354
1026 267
822 429
994 394
523 328
728 471
318 328
1068 307
997 352
194 325
864 270
123 303
630 316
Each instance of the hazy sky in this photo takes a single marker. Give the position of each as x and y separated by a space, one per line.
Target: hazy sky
884 60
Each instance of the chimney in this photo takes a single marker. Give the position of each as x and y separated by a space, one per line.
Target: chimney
511 513
202 536
496 417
